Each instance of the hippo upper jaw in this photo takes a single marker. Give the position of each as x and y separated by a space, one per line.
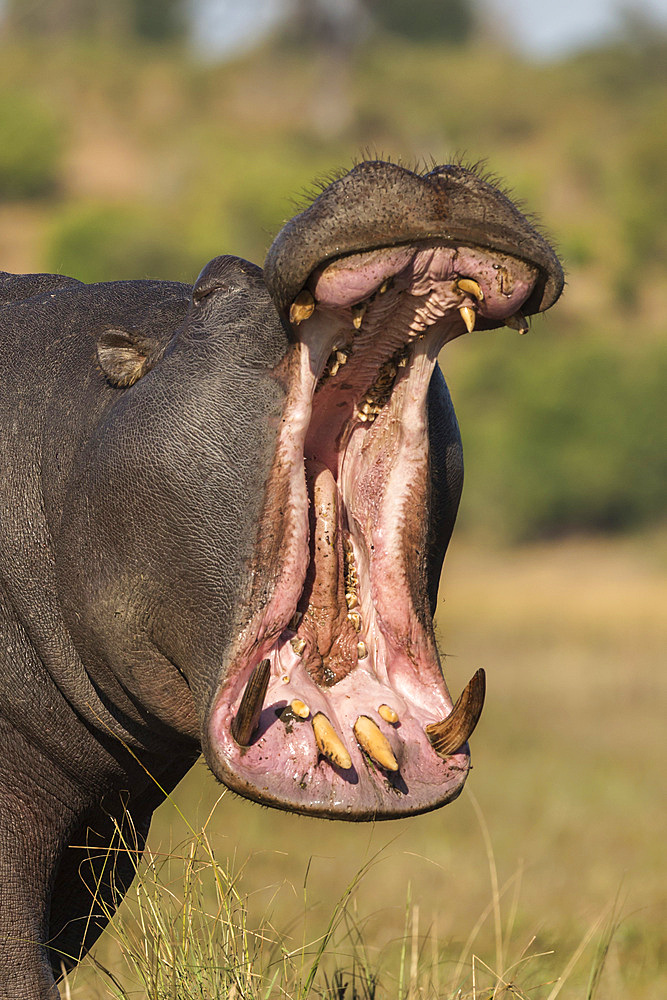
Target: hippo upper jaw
337 705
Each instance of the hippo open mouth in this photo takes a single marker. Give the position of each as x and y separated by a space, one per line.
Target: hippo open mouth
340 708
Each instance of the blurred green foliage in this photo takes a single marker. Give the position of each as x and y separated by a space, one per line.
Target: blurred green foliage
31 144
148 163
108 242
563 437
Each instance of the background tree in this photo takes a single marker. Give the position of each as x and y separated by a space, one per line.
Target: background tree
154 20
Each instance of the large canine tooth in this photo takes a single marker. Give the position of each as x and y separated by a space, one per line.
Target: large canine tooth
358 314
468 317
472 287
329 742
246 719
517 322
375 743
448 736
302 308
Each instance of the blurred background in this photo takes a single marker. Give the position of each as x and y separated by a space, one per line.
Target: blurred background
142 137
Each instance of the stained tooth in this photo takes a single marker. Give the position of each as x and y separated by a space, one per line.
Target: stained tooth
300 708
385 286
388 714
247 717
333 370
294 621
362 416
351 600
472 287
517 322
302 308
298 645
468 317
367 407
355 618
448 736
341 357
375 743
329 742
362 651
358 314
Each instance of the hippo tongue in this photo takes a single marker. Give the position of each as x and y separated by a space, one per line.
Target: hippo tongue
329 634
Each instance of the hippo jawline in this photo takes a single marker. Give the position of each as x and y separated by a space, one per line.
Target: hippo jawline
343 714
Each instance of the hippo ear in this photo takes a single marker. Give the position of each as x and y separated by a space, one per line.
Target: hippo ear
124 357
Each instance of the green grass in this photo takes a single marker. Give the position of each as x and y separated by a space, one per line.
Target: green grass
186 933
561 840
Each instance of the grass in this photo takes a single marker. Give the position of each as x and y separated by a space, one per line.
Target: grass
547 876
186 933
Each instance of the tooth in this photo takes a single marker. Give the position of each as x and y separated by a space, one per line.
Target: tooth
468 317
300 708
385 286
366 408
387 713
375 743
333 370
351 599
298 645
355 618
302 308
362 651
472 287
448 736
329 742
517 322
361 416
341 357
246 719
358 314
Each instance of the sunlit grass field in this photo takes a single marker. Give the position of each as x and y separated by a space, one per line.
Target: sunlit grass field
557 840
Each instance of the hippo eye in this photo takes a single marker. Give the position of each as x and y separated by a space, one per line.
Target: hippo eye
202 292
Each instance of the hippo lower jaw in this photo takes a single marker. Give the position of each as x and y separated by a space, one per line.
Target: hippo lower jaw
346 713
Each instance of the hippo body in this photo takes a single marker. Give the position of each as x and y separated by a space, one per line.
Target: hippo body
206 493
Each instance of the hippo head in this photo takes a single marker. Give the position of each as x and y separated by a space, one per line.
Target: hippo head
316 486
339 706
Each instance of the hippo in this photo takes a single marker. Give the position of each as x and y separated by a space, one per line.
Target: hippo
225 509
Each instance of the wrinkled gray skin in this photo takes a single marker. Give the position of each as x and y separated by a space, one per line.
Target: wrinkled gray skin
106 577
130 518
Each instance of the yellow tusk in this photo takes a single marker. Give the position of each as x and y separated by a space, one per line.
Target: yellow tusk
468 317
330 743
375 743
302 308
387 713
472 287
